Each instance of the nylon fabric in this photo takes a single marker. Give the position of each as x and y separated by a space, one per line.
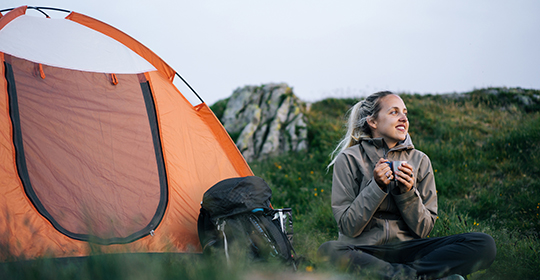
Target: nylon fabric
67 44
127 41
236 195
80 141
197 151
194 163
7 18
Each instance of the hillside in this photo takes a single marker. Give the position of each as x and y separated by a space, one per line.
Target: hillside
485 150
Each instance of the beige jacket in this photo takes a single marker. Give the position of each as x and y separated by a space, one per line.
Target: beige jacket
365 214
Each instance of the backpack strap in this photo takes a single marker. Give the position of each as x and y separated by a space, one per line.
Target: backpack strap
221 227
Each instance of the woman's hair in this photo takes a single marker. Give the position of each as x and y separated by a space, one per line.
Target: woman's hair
357 125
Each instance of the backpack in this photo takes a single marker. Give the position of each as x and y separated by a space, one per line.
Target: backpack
236 213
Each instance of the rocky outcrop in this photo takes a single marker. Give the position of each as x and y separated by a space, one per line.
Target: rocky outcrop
265 121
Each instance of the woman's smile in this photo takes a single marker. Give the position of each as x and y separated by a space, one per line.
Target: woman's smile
391 123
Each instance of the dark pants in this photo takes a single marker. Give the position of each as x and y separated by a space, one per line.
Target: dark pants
429 258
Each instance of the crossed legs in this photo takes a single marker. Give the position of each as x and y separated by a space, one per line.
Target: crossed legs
430 257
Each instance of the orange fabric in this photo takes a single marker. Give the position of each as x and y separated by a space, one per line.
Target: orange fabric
125 39
195 160
12 15
23 232
197 154
224 139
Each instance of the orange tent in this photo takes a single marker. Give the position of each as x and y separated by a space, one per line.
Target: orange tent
98 149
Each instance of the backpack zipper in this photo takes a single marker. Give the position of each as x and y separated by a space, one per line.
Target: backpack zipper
263 234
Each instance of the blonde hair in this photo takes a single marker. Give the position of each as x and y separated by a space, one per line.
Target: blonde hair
357 124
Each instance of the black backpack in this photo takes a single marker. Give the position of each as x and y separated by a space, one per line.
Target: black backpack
236 213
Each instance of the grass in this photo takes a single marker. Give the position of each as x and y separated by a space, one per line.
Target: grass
485 151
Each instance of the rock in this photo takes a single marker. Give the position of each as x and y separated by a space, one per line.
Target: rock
493 91
525 100
268 120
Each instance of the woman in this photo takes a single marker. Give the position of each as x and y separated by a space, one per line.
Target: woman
384 216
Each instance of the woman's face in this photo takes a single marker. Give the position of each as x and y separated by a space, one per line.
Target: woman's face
391 123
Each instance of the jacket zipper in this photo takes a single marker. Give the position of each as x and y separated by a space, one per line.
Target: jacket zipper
387 225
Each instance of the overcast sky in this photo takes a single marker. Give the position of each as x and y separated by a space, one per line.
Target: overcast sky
331 48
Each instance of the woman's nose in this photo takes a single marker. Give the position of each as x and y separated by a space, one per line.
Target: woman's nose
402 117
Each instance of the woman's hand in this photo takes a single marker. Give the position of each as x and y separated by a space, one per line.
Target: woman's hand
405 177
382 173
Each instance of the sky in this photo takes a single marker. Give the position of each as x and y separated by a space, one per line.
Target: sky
341 48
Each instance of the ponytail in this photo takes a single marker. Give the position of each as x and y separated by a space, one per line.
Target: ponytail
357 124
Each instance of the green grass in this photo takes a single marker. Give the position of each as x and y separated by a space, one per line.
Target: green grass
485 151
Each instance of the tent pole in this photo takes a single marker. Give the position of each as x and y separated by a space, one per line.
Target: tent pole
39 9
185 82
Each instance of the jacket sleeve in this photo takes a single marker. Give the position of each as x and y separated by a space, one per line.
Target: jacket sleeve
353 211
418 207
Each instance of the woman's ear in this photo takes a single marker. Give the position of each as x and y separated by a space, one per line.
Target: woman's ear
371 122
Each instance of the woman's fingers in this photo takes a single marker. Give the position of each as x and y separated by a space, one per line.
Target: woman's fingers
406 170
382 173
388 176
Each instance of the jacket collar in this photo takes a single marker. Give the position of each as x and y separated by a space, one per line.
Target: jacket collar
374 146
